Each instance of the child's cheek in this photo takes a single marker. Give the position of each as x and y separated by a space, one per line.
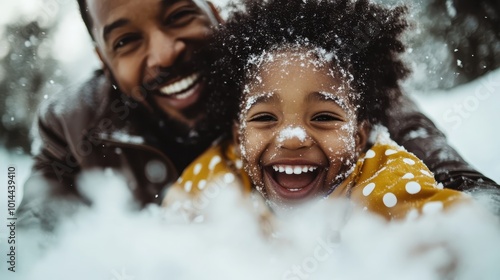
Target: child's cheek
250 146
339 148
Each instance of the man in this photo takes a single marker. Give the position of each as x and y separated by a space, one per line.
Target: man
143 114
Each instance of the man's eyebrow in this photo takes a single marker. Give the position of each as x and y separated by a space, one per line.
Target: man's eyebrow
164 4
112 26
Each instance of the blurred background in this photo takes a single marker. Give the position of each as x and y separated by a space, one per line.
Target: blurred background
454 51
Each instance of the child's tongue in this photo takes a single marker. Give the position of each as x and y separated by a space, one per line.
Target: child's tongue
294 181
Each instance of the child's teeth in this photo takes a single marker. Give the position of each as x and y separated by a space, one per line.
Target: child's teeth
291 169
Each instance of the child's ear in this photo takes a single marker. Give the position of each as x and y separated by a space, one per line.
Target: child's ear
236 138
362 135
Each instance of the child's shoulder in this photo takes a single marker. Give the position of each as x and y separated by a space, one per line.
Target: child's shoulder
218 165
394 182
388 163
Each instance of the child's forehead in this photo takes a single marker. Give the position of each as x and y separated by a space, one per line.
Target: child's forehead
293 61
287 55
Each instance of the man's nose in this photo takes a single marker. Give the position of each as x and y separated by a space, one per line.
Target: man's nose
164 50
293 138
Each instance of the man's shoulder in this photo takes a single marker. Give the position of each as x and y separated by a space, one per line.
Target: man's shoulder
78 103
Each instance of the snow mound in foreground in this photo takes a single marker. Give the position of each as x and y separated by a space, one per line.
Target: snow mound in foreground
320 241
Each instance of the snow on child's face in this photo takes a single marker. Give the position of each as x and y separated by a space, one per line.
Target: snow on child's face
298 131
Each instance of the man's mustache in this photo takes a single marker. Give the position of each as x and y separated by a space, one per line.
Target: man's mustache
167 74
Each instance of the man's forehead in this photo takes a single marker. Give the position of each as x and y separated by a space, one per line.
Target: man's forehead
102 10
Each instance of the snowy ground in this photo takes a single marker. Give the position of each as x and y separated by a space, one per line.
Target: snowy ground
468 115
320 241
111 242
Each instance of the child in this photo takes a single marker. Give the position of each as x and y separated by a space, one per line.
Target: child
306 81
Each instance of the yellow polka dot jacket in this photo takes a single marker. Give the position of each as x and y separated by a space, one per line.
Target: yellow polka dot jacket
386 180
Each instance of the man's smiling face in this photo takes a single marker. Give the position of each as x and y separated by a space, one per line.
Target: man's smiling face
148 48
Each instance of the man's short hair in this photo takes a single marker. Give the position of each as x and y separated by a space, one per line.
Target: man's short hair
82 4
84 12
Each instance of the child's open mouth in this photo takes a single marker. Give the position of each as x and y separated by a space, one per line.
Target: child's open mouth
294 182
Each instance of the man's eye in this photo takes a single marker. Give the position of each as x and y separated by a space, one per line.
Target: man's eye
325 118
124 41
181 17
263 118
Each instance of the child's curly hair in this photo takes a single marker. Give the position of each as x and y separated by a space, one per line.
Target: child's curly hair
365 38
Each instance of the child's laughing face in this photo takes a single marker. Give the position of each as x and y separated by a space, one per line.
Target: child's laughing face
298 132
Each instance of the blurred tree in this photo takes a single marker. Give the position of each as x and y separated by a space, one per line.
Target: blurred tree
472 32
25 69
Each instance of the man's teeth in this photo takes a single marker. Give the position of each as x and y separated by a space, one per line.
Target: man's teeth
180 85
294 169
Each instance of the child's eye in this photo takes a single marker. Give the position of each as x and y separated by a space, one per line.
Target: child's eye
262 118
125 40
324 117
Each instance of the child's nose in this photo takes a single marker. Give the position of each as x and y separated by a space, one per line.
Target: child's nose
164 49
293 138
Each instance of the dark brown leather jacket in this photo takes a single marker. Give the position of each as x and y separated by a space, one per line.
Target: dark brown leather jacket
419 135
97 127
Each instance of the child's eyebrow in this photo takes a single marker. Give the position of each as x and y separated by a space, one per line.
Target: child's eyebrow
328 96
259 98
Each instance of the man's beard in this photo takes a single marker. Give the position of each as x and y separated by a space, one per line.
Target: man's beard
173 129
181 132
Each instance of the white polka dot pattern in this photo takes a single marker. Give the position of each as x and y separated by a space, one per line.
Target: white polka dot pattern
368 189
370 154
389 152
202 184
197 169
188 185
213 162
409 161
425 172
413 187
390 200
408 176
